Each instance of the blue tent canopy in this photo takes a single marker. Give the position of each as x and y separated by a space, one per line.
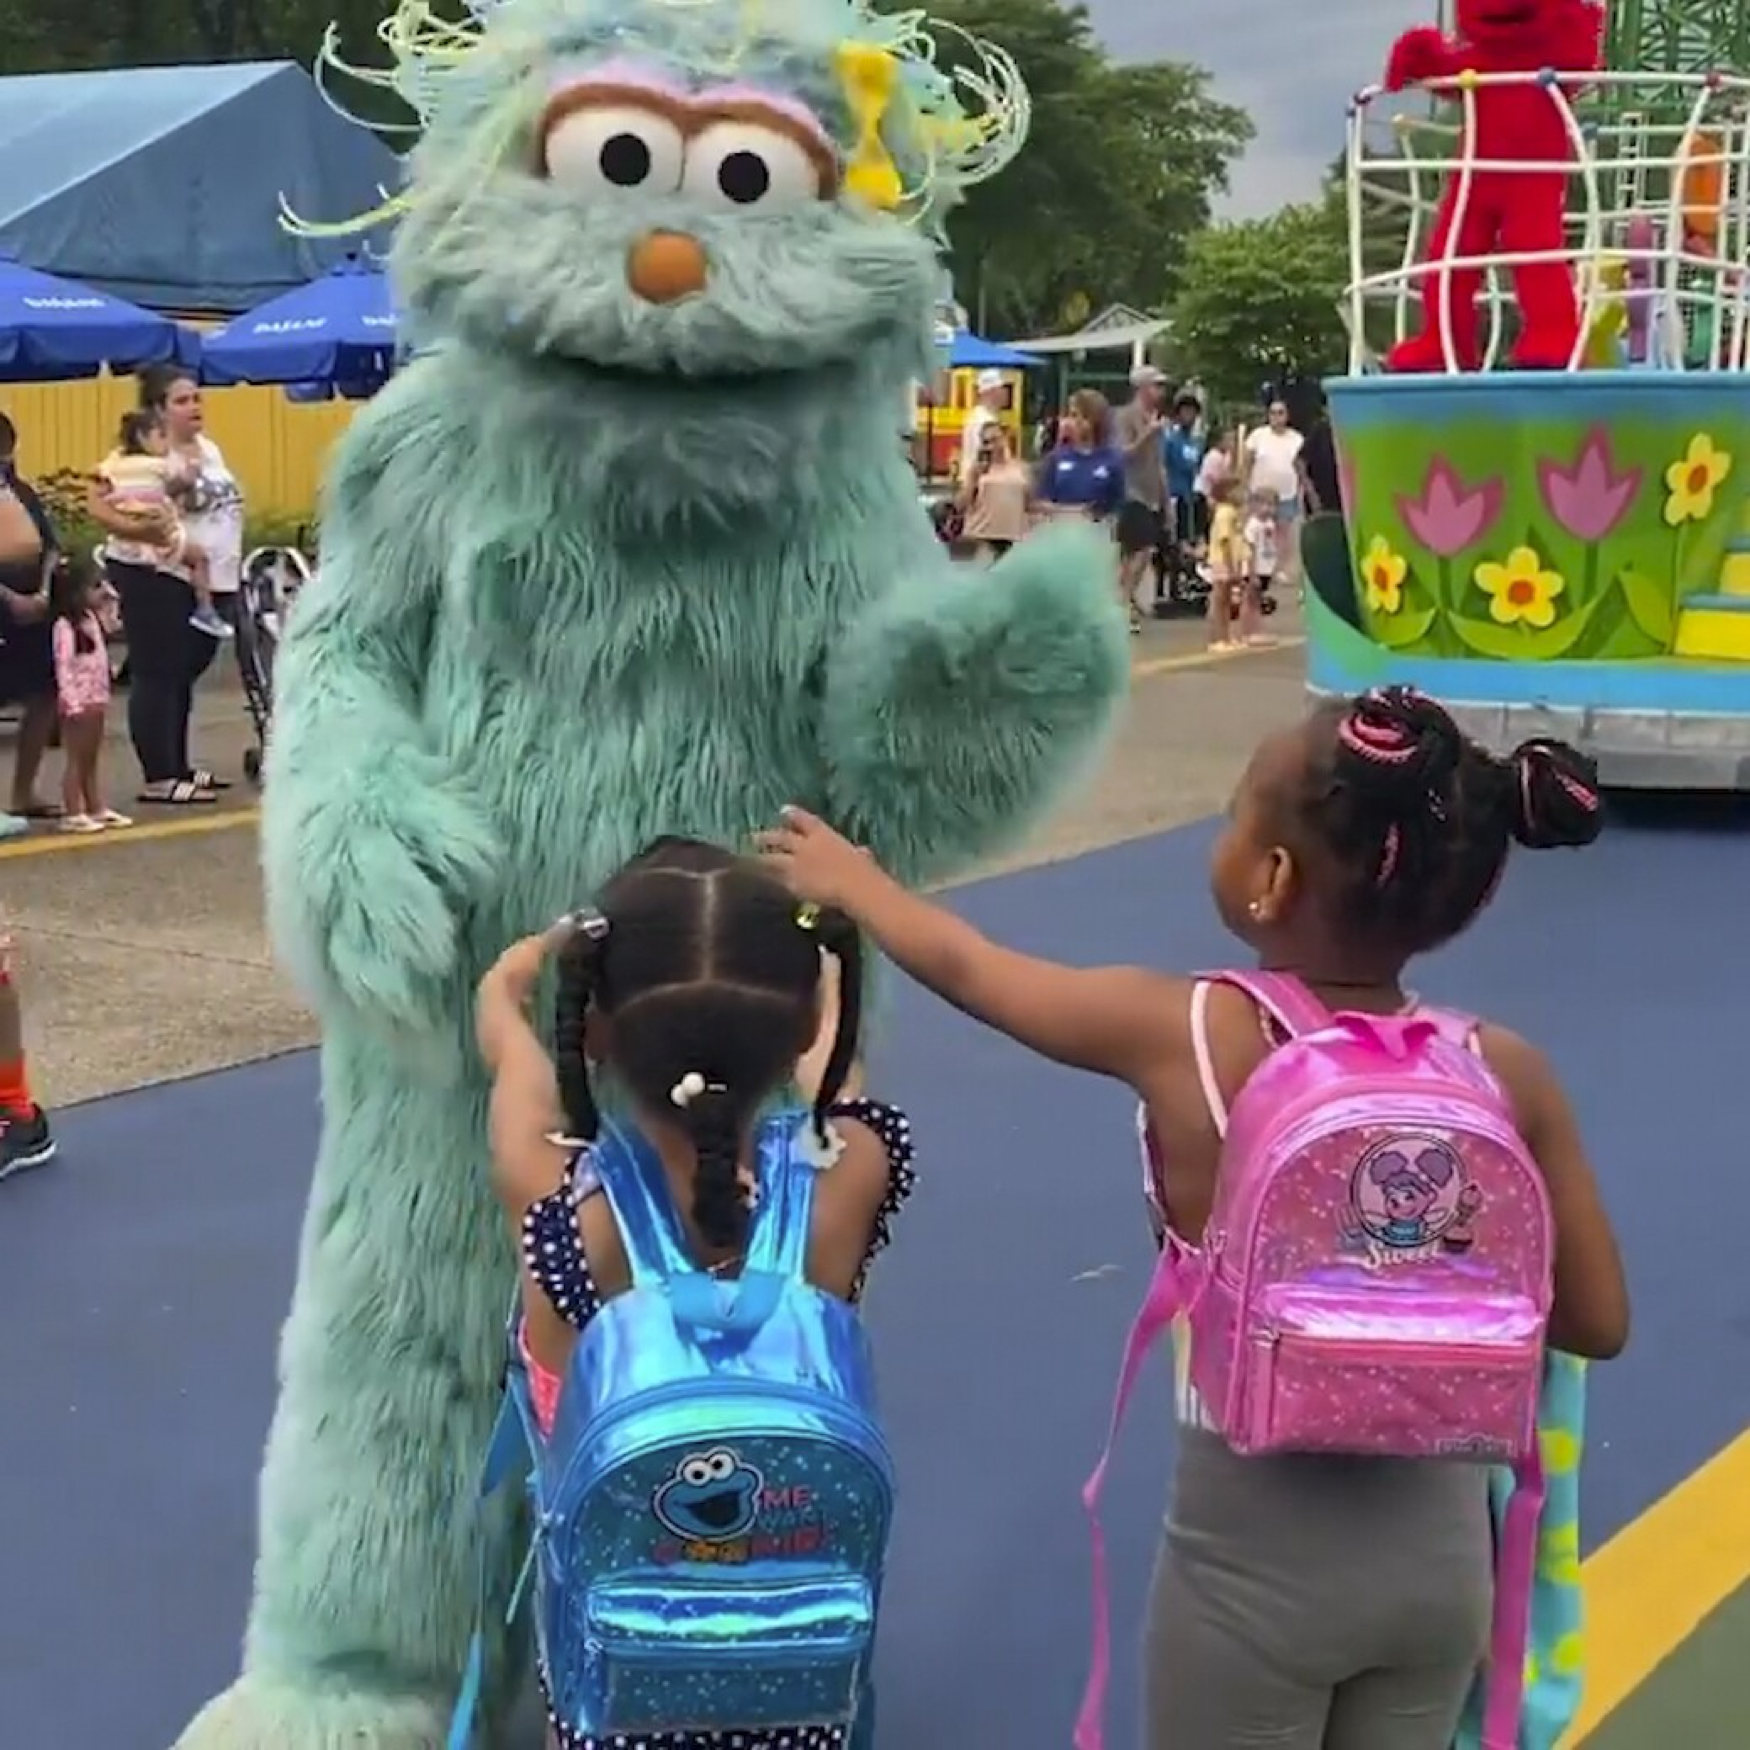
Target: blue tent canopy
971 352
163 185
52 330
339 330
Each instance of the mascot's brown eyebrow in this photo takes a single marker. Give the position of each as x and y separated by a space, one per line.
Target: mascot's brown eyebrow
691 117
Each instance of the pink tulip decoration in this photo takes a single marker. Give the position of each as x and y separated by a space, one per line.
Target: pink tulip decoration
1591 498
1450 516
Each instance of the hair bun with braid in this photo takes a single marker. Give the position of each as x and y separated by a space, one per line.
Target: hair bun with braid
1409 744
1556 802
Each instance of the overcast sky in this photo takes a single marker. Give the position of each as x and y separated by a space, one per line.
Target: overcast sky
1292 64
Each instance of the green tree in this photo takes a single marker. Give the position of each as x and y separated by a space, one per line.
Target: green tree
1260 301
1121 167
46 36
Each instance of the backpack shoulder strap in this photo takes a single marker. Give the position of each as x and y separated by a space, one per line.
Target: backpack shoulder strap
1455 1027
631 1178
510 1455
779 1244
1281 996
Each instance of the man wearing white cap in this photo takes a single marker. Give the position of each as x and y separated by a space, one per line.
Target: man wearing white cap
1142 528
993 397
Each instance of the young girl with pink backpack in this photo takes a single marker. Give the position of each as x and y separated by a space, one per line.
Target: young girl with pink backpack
1377 1221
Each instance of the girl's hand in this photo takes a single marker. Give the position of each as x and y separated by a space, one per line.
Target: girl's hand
817 864
509 985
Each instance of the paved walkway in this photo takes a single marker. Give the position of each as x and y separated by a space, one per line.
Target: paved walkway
138 1375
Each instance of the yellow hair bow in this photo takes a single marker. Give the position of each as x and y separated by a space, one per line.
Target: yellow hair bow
870 77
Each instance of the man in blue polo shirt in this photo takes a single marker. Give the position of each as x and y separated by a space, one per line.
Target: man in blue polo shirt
1182 448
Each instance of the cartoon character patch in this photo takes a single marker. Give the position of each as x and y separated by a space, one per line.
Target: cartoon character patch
1409 1195
713 1497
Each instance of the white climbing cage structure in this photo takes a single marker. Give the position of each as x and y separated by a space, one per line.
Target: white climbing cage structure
1658 216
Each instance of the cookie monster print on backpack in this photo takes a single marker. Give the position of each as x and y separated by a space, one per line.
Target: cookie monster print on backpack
712 1508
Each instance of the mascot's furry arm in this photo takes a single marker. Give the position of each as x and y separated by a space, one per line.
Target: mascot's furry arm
373 852
1424 52
958 707
1568 34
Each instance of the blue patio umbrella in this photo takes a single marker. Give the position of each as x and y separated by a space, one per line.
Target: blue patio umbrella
52 330
971 352
337 330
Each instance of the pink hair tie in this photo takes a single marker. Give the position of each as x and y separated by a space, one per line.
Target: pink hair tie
1388 855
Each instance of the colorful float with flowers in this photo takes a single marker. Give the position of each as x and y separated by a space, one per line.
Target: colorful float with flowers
1561 550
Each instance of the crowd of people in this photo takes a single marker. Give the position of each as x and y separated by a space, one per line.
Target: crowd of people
1207 516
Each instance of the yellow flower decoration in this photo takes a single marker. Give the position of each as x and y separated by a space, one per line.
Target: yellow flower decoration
1521 591
1382 576
1693 479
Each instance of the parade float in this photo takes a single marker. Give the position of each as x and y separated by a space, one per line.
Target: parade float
1544 433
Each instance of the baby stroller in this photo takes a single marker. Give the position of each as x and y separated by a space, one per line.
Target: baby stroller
272 579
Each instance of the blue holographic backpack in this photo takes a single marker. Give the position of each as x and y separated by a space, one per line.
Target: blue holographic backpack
711 1511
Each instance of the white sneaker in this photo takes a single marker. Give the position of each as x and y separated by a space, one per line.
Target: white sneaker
110 818
207 621
81 823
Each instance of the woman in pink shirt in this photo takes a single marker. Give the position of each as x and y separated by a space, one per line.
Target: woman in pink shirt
82 685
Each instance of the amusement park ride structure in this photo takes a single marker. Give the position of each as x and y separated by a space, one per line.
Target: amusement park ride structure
1561 551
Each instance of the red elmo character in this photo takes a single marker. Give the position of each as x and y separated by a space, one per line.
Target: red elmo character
1503 211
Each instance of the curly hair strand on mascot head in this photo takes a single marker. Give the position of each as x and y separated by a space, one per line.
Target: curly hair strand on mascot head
630 548
1503 211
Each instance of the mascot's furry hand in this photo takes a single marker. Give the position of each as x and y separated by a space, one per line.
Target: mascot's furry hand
958 701
374 850
1421 53
386 866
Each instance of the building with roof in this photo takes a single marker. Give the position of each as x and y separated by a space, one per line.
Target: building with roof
164 185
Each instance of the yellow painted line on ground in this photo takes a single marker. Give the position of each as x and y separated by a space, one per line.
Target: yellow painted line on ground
49 842
1154 665
1652 1585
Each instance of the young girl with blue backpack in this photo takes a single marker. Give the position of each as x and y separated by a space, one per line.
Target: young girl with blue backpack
1378 1226
691 1402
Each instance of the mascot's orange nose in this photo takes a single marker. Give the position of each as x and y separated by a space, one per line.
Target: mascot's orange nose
665 267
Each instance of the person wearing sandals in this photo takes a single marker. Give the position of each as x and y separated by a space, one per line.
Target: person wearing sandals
166 654
28 550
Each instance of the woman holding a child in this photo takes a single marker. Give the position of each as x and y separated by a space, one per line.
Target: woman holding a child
177 568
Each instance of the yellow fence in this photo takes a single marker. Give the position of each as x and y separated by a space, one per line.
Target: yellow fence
274 446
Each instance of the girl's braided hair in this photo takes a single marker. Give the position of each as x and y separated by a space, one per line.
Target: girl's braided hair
1418 819
708 974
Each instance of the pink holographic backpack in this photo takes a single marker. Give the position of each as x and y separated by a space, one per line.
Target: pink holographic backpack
1375 1278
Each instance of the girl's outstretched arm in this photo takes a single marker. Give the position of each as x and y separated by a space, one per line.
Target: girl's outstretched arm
1119 1021
525 1111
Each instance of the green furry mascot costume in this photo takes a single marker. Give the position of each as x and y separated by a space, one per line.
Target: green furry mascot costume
632 548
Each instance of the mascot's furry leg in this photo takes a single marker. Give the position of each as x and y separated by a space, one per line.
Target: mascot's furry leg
1532 223
390 1365
1457 235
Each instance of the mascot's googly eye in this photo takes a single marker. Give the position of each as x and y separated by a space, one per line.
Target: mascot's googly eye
720 1466
614 149
698 1472
741 164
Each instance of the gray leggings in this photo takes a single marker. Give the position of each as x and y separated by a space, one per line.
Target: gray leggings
1316 1603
